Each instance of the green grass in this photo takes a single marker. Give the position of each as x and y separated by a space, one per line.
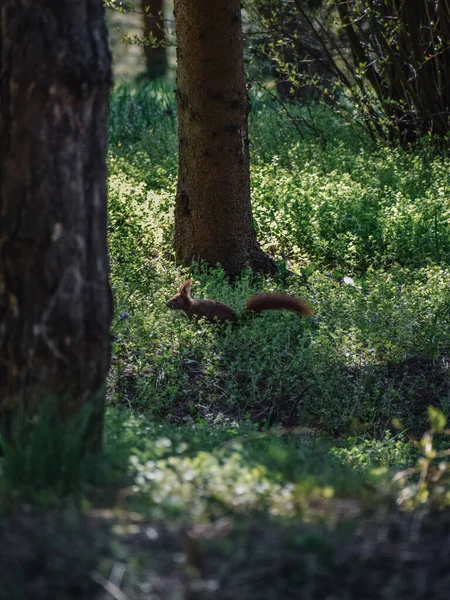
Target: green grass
200 471
366 233
377 346
192 471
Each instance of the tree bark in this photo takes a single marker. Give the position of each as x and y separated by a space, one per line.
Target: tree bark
55 299
213 218
155 58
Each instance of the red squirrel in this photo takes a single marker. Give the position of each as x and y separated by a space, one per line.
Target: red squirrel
211 309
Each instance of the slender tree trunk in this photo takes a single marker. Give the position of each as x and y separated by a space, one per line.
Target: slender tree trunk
213 219
155 58
55 299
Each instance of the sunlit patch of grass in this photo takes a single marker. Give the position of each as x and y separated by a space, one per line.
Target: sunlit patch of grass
207 472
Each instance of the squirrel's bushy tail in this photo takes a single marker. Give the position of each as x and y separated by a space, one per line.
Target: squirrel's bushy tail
277 301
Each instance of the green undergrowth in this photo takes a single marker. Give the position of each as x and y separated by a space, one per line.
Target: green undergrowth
364 233
374 351
335 199
205 507
275 410
211 509
192 471
199 471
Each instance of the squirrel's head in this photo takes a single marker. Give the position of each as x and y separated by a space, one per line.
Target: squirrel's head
181 300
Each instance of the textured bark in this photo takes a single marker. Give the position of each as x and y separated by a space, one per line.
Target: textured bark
155 58
55 300
213 219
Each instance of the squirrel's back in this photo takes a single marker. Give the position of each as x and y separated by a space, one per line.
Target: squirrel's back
277 301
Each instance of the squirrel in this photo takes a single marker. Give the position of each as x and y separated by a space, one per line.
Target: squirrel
211 309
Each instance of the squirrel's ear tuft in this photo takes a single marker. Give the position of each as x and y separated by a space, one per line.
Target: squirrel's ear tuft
185 287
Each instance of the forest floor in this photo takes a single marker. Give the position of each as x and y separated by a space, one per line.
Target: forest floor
283 457
109 554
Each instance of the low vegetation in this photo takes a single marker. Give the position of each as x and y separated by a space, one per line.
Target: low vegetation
361 232
258 460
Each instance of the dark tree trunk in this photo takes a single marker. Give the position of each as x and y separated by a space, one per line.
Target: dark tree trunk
55 299
155 58
213 219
